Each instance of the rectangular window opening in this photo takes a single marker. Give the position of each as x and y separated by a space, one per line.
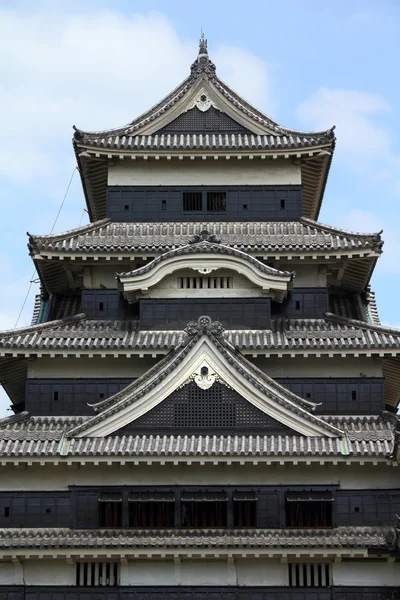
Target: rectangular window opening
216 201
97 574
244 510
163 205
126 207
192 201
6 511
55 396
283 203
110 510
101 306
309 510
152 511
297 305
203 510
309 575
354 395
244 206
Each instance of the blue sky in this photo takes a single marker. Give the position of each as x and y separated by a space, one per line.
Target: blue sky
309 65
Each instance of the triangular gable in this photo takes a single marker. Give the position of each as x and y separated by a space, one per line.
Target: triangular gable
204 357
212 120
217 409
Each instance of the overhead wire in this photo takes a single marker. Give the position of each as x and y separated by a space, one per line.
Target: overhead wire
32 280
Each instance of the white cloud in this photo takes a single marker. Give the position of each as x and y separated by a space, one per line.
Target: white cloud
363 141
97 71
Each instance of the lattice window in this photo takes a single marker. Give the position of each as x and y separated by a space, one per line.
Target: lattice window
203 408
309 509
97 574
216 201
192 201
309 575
152 510
110 510
207 283
204 509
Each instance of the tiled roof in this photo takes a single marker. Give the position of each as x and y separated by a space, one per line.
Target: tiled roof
345 537
26 436
279 237
308 335
203 141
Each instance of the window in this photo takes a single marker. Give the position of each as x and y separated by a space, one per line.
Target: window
354 394
216 201
101 306
6 511
152 510
297 305
192 201
163 205
55 396
105 574
126 206
244 509
309 509
199 283
110 510
309 575
204 509
283 203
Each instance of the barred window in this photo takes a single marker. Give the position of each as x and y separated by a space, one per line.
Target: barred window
309 509
216 201
201 283
152 510
97 574
192 201
244 509
309 575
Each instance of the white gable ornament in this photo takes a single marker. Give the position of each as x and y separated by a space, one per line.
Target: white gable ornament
202 102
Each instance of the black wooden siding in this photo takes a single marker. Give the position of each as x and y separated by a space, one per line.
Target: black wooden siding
197 593
35 509
245 203
78 507
343 396
233 313
303 303
336 396
69 396
105 304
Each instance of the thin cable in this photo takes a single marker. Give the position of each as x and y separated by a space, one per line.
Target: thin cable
32 280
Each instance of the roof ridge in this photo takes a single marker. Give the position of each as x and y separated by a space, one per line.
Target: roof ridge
43 326
362 324
334 229
70 233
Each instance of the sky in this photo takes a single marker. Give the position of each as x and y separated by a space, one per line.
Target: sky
99 64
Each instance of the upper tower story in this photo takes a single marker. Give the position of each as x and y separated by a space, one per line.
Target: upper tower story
179 161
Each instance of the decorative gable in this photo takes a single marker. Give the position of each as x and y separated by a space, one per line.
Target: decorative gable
197 120
215 409
205 357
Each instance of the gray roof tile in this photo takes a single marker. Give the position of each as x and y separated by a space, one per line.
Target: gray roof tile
345 537
287 237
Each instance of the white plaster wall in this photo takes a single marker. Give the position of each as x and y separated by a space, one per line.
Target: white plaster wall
11 574
261 572
205 572
306 275
366 573
204 172
60 477
136 366
319 367
104 275
89 367
48 572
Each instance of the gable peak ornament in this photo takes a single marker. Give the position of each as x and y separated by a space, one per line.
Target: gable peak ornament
204 325
204 236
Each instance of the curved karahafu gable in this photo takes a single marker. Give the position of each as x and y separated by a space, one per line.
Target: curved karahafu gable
205 257
205 357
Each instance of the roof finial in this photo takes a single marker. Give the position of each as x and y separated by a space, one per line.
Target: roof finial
202 44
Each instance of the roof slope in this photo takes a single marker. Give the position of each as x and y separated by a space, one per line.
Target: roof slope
284 237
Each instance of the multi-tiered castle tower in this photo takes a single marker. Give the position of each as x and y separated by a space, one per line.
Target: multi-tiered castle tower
205 401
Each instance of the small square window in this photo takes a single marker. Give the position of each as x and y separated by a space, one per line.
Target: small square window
126 207
101 306
297 304
283 203
55 396
354 395
244 206
163 205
